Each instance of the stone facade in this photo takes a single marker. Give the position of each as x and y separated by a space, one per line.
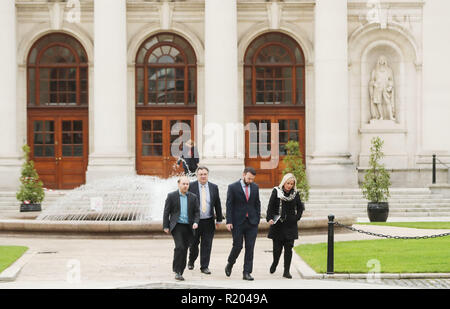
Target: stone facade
341 41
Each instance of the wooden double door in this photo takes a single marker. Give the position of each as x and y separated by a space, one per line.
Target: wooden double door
258 149
159 142
59 147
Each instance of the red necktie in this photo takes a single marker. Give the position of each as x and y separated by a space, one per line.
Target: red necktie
246 195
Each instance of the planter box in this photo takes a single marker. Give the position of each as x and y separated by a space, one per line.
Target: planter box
30 207
378 212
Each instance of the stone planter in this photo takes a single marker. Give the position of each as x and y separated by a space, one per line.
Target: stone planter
378 212
30 207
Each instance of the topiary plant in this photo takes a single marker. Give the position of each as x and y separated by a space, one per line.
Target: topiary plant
376 180
294 164
31 190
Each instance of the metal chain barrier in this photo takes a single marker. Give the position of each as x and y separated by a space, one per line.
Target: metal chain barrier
389 236
330 249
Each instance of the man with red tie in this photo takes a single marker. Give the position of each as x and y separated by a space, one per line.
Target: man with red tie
243 216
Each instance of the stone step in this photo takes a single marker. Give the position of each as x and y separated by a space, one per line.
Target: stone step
353 207
397 215
393 197
344 192
418 208
436 212
391 201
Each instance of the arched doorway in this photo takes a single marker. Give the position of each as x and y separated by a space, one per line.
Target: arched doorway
274 92
57 110
166 96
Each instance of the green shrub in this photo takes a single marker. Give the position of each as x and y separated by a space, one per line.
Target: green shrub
294 164
376 180
31 190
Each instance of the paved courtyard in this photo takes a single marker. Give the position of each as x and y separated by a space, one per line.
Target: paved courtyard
73 262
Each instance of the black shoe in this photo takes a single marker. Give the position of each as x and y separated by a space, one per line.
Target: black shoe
248 277
205 271
273 268
190 266
179 277
286 274
228 269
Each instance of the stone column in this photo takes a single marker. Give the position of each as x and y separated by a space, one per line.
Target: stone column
110 154
436 81
331 165
223 138
10 150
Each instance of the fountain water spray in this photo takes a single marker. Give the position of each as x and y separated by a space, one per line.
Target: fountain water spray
126 198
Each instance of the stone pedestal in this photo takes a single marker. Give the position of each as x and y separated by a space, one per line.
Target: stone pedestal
441 189
394 148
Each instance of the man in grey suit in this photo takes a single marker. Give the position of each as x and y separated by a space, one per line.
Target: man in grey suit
210 211
181 217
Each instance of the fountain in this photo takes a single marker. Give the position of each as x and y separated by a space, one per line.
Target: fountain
129 205
127 198
133 205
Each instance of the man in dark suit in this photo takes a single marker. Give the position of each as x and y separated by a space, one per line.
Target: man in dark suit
181 217
210 207
243 216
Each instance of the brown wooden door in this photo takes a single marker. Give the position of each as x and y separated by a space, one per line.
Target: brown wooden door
59 148
258 151
156 135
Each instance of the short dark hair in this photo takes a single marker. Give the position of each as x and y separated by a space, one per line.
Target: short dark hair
250 170
201 167
182 176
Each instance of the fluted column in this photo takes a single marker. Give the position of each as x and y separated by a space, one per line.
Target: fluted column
9 150
223 143
331 165
110 155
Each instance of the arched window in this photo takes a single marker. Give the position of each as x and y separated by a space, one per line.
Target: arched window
166 70
274 72
57 72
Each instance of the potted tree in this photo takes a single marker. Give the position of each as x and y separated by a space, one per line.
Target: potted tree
376 184
294 164
31 192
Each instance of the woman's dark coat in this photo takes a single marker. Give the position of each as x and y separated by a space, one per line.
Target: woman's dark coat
291 212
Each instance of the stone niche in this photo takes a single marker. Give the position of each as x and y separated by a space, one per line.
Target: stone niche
383 84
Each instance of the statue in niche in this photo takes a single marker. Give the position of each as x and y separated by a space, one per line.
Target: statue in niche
382 91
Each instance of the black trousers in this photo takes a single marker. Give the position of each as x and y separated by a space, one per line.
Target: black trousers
203 236
183 237
247 232
278 245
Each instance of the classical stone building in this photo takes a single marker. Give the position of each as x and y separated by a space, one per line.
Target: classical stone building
95 87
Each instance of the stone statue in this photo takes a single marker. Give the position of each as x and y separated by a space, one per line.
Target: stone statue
382 91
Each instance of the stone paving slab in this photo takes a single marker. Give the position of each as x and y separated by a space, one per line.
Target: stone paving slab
147 263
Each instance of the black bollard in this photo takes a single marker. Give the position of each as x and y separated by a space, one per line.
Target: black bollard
434 170
330 258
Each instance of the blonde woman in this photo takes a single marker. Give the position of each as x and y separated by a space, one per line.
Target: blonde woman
285 209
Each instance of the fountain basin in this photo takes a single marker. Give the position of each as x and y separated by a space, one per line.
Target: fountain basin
307 224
